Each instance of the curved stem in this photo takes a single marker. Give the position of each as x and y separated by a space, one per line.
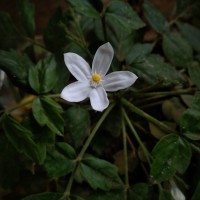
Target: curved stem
140 112
147 154
125 157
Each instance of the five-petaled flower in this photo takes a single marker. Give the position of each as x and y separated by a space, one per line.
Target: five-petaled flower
94 83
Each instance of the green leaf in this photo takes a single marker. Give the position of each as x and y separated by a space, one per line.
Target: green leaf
190 121
54 33
153 69
77 124
115 195
27 14
99 173
9 35
121 21
16 66
191 34
59 161
139 191
155 18
44 196
84 7
138 52
196 195
194 72
174 47
43 76
21 138
47 112
171 154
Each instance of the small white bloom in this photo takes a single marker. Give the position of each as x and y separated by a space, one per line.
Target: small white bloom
176 192
94 83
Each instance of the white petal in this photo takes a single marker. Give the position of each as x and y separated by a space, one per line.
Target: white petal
176 192
99 99
118 80
76 92
78 67
102 59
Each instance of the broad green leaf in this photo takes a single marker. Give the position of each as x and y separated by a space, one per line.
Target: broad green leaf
191 34
171 154
44 196
54 33
114 194
122 14
47 112
27 14
190 121
60 160
9 35
155 18
139 191
121 21
43 76
138 52
84 7
153 69
77 122
177 50
10 164
99 173
196 195
194 72
21 138
16 66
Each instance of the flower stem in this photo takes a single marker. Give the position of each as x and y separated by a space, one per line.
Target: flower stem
147 154
88 141
83 150
125 157
140 112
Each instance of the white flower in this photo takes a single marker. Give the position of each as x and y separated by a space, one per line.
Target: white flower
94 83
176 192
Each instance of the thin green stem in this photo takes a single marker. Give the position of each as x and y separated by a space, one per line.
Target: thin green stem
140 112
91 136
147 154
124 134
83 150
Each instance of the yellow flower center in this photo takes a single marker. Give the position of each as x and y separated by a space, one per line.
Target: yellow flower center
96 77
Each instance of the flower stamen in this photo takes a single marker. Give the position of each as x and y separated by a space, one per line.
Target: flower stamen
96 78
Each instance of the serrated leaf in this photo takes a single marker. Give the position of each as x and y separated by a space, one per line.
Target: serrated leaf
191 34
9 35
59 161
190 121
47 112
171 154
77 124
138 52
84 7
99 173
153 69
43 76
27 14
155 18
194 72
16 66
21 138
174 47
44 196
